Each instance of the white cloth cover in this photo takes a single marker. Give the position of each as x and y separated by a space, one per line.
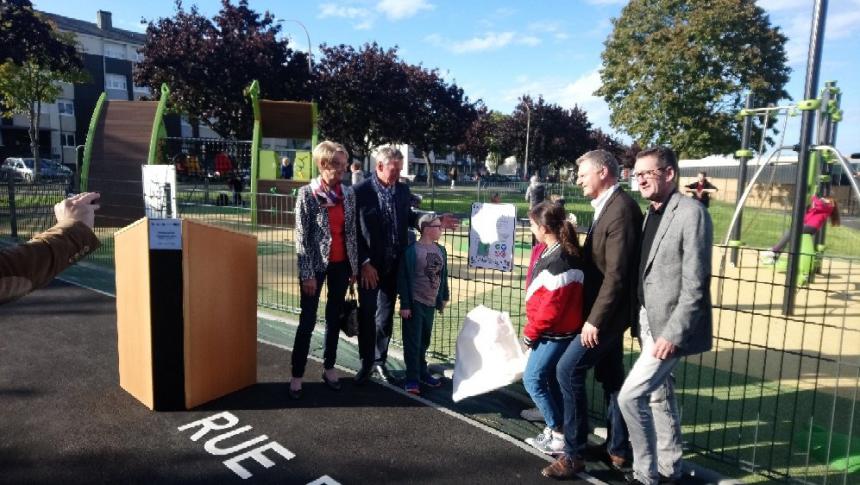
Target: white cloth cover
489 354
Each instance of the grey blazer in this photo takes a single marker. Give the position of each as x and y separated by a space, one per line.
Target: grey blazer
313 233
678 275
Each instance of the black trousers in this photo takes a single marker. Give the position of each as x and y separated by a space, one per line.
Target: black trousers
376 316
337 275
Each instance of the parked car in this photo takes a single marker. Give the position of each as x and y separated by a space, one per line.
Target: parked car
22 169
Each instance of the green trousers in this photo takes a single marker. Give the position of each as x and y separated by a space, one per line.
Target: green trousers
416 340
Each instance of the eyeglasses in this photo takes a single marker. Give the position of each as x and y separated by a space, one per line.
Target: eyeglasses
648 173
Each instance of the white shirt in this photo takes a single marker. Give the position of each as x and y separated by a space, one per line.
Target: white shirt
600 201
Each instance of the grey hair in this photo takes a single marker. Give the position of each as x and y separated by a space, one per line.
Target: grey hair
387 154
601 159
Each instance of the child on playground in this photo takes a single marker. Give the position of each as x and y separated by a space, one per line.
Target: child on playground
816 216
422 284
554 301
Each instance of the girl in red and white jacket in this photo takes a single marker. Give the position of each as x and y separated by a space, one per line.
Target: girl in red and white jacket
554 302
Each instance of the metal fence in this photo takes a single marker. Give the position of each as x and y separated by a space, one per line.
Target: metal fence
777 396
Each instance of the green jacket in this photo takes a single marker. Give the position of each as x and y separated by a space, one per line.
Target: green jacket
406 278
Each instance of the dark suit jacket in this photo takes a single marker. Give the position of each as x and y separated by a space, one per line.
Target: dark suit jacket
612 262
31 265
372 237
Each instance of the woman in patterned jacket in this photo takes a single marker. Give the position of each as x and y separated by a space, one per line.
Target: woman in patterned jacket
327 251
554 302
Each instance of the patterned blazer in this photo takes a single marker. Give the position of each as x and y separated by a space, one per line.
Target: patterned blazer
313 233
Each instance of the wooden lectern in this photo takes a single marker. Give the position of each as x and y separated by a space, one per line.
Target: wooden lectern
186 312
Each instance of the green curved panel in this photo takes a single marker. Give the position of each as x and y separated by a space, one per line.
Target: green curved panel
158 129
88 146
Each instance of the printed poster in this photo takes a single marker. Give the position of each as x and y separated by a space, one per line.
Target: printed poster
491 236
159 191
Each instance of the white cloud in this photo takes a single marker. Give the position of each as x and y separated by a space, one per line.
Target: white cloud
362 18
487 42
842 26
402 9
776 5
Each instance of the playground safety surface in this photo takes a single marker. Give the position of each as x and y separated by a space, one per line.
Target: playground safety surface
66 420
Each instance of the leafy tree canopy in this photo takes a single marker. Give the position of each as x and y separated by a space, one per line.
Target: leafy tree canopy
208 64
675 72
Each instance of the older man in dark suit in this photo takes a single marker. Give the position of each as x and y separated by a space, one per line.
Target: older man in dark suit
675 315
611 254
31 265
383 218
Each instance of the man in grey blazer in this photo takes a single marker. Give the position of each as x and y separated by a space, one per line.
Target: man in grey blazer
674 317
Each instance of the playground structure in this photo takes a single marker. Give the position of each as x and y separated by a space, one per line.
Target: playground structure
123 135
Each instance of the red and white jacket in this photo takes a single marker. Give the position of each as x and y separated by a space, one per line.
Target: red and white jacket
554 298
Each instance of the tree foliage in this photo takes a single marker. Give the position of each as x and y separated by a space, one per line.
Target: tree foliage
370 97
363 96
35 57
208 64
557 136
675 72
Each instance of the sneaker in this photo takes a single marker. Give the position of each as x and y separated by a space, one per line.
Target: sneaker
430 381
531 414
412 388
768 257
554 445
541 438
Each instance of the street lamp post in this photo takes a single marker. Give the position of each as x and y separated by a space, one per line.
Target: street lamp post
310 55
528 128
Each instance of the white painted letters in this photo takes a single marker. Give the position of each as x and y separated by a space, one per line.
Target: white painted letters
259 457
208 424
226 420
212 445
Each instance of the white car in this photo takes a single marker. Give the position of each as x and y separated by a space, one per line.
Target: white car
22 168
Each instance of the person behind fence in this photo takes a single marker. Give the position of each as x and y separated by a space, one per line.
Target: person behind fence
675 317
813 220
536 192
554 299
286 168
611 257
383 217
701 189
326 247
32 265
422 284
236 185
357 174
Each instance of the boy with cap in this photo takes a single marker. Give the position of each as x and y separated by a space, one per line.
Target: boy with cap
422 283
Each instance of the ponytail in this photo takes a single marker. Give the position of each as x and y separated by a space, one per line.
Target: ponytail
554 218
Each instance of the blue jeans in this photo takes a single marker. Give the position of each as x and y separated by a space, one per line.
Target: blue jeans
540 381
337 275
571 371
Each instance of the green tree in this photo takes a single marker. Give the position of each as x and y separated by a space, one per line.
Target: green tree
35 58
208 63
675 72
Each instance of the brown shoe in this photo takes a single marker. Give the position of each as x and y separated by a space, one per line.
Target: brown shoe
564 468
617 462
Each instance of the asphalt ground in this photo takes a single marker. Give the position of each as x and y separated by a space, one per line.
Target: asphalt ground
64 418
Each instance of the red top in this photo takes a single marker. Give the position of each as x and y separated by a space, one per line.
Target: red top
817 213
336 222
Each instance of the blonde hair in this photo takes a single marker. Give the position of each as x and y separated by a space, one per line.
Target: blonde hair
324 153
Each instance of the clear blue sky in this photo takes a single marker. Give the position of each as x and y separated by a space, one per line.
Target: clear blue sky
500 50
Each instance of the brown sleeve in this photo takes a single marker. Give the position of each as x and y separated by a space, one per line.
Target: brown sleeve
621 255
33 264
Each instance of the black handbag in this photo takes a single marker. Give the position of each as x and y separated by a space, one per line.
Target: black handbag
348 316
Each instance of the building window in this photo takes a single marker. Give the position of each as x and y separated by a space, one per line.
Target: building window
67 139
66 107
115 51
115 81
